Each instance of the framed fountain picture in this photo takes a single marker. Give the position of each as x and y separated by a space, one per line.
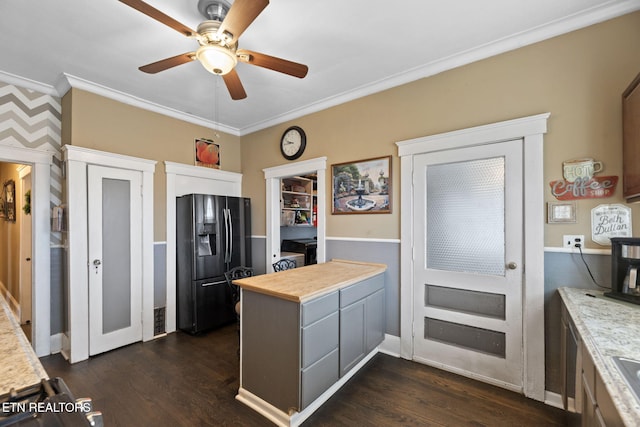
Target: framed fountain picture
362 187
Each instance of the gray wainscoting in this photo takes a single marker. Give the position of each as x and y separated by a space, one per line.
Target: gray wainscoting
357 250
58 301
561 269
159 274
566 270
381 252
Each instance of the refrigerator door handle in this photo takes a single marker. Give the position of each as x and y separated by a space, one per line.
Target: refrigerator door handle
225 213
230 228
221 282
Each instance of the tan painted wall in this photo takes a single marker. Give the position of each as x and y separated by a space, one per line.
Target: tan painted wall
10 237
577 77
92 121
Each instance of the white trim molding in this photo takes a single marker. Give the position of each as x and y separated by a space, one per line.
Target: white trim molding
75 344
531 130
272 178
41 162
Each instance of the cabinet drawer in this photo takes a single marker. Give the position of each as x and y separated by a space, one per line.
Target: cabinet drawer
356 292
317 378
319 339
319 308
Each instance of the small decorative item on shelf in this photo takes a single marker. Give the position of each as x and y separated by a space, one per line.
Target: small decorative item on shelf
294 203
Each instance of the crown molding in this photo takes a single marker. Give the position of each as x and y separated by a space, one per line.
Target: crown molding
98 89
574 22
22 82
595 15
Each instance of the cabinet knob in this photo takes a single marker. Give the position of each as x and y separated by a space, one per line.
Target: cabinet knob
512 265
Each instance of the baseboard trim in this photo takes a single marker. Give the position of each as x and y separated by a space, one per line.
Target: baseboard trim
56 343
390 345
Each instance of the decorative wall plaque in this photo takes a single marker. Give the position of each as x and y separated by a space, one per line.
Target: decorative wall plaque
609 221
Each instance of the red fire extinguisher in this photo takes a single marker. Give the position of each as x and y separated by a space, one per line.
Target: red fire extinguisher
314 216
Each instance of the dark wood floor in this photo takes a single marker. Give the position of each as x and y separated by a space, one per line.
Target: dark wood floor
182 380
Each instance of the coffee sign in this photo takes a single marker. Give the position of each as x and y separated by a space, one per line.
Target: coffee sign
582 169
594 188
580 183
609 221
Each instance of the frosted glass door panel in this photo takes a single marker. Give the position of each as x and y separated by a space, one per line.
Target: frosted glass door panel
116 255
114 204
465 216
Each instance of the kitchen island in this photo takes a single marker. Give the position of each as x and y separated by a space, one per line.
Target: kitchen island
20 366
304 332
604 328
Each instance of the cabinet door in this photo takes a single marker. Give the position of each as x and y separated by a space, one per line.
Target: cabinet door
375 320
352 335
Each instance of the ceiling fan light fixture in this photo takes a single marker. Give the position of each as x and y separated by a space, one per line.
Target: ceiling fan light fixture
216 59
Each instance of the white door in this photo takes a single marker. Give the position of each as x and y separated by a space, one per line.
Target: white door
468 223
115 257
26 282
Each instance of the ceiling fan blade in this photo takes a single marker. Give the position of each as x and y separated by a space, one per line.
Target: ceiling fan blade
232 80
273 63
154 13
165 64
241 14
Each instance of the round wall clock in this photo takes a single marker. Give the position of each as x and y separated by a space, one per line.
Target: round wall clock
293 143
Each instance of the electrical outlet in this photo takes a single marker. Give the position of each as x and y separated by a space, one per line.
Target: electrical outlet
570 240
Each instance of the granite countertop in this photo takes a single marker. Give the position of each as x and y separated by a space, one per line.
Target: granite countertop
311 281
20 366
608 328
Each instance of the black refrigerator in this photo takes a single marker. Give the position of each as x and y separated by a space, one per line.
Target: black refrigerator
213 235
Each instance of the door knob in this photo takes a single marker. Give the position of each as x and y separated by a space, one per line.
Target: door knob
512 265
96 262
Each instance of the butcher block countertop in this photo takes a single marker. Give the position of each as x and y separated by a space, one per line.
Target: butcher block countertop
311 281
19 365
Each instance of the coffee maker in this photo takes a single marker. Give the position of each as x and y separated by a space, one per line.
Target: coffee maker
625 269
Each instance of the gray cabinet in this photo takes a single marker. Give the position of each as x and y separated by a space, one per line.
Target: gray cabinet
361 320
292 352
289 350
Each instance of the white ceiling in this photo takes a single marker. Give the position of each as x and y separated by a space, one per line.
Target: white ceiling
352 47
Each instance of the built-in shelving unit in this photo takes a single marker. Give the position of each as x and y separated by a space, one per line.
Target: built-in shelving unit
296 202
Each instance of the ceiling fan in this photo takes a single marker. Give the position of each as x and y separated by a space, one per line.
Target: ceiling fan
218 38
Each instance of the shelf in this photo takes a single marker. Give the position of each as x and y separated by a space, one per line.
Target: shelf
295 193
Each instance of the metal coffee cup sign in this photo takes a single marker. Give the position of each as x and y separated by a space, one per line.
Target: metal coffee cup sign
580 168
580 181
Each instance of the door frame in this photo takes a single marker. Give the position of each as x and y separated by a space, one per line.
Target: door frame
272 178
75 341
531 130
24 173
41 162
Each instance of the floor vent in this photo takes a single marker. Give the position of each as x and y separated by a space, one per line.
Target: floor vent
158 321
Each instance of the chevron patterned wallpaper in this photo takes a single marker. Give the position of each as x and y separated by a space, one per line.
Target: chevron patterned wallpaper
30 119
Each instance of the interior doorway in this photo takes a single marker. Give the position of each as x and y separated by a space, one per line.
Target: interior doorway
273 177
15 241
40 162
530 130
26 276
